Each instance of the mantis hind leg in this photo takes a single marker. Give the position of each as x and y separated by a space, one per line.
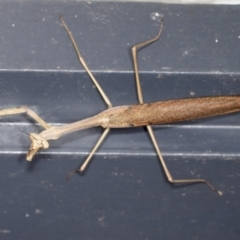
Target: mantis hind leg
167 172
149 128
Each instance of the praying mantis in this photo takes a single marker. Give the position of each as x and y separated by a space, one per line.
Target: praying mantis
142 114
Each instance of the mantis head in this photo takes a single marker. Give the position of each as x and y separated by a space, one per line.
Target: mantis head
38 142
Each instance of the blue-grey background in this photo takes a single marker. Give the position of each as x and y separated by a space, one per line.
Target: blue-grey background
124 193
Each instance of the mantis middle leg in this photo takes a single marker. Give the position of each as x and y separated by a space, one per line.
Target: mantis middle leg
102 93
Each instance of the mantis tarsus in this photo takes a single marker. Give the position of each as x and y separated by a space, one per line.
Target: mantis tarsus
142 114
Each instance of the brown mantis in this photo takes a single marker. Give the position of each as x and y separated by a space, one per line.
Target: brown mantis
142 114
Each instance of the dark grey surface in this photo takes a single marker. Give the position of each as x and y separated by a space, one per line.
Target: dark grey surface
124 193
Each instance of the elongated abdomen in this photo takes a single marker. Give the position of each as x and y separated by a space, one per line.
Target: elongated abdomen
169 111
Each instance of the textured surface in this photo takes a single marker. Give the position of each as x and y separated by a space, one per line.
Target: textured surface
171 111
124 194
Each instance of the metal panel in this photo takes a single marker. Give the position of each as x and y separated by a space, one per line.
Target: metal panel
124 193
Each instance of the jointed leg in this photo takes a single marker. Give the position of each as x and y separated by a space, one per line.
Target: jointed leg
149 128
86 162
168 174
102 93
11 111
81 60
135 61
